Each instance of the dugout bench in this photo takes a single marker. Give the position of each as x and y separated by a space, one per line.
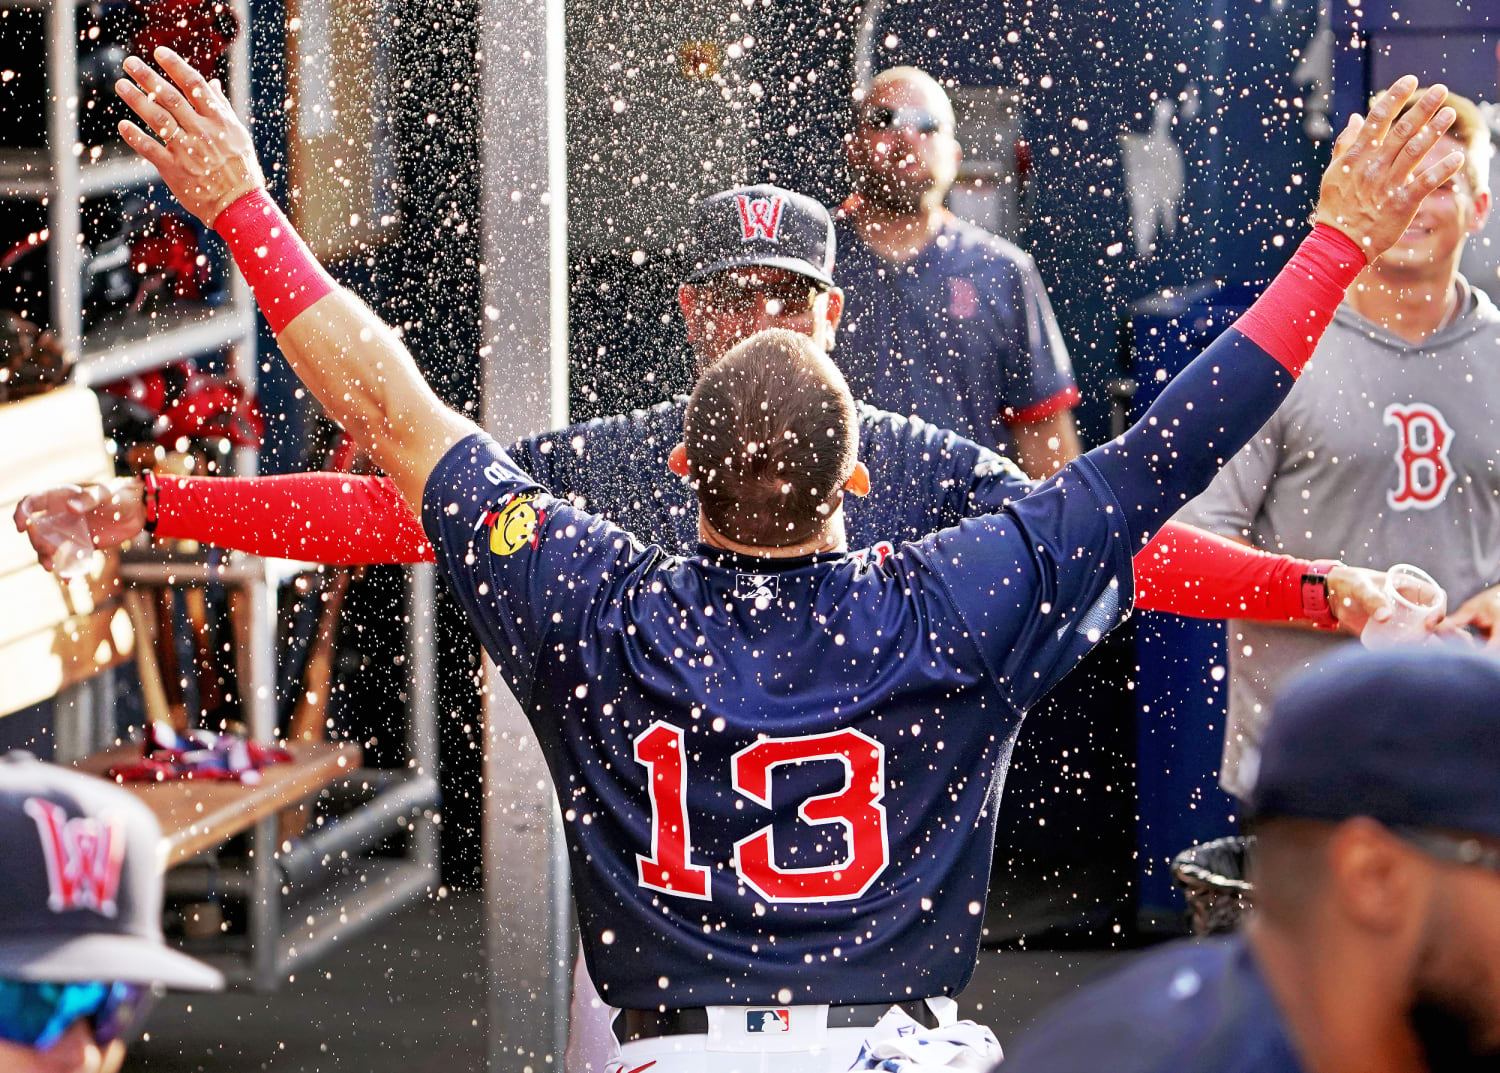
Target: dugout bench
59 638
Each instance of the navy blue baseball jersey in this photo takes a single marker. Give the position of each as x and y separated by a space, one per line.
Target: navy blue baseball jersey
1190 1007
962 334
779 778
922 478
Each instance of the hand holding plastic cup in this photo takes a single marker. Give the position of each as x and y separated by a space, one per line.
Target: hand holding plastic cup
1417 603
58 529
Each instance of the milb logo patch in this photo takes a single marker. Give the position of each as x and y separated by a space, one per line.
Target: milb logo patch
759 588
768 1021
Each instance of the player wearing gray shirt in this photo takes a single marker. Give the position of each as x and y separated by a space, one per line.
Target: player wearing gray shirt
1385 451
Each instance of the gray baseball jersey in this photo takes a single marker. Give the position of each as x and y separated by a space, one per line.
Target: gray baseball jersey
1384 452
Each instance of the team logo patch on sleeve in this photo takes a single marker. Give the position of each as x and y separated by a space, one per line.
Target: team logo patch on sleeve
768 1020
516 525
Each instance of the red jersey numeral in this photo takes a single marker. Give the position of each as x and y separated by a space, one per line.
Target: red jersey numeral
668 869
856 807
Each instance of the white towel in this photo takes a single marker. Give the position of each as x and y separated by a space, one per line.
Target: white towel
898 1044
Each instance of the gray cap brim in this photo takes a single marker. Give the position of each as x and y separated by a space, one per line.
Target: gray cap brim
757 260
114 958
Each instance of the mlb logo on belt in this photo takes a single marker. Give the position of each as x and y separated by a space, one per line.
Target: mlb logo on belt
760 217
768 1021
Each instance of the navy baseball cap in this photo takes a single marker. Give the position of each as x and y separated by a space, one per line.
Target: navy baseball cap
81 898
761 225
1409 737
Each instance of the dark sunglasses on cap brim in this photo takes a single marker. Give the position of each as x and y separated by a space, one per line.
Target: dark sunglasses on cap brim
38 1015
879 117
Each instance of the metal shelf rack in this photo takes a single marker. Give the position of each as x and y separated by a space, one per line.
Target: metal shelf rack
59 176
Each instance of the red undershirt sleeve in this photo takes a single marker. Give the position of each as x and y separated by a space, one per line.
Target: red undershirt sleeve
1289 317
1188 571
333 518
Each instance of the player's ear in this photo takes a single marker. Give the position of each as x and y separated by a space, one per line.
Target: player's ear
1483 205
677 461
859 481
835 308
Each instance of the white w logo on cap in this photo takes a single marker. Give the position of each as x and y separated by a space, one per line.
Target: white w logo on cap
84 857
759 217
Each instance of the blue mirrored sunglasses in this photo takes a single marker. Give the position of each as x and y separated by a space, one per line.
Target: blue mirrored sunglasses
39 1014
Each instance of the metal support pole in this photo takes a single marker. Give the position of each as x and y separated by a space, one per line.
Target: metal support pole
264 910
524 283
421 649
73 723
260 699
62 210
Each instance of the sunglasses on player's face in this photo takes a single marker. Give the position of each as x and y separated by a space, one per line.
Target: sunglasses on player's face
917 120
747 295
37 1015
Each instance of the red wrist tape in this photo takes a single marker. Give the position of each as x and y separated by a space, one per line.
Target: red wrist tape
1191 572
280 269
1287 320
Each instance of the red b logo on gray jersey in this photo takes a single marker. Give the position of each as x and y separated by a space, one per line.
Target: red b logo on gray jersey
1422 456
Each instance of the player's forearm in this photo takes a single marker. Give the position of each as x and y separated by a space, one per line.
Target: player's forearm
1222 398
334 518
344 354
1189 571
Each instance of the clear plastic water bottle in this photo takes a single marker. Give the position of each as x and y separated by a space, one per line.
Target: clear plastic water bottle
1416 599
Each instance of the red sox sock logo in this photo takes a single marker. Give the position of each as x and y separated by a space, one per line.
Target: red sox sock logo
1422 456
84 857
760 217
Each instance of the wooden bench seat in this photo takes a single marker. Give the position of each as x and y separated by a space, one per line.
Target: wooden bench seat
301 896
197 815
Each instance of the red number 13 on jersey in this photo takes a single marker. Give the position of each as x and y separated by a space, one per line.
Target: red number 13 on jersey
856 807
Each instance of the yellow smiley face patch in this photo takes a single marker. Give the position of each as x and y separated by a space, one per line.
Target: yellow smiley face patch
515 525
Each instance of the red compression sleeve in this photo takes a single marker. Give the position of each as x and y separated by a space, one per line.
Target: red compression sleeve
1191 572
1288 318
280 269
331 518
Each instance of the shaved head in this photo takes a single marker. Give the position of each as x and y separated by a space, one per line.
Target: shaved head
771 438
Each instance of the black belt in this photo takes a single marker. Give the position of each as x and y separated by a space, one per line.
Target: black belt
632 1025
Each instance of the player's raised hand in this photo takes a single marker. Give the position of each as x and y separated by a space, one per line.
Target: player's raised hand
205 154
60 520
1378 175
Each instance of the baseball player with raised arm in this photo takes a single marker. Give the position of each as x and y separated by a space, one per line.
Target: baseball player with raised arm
778 763
760 257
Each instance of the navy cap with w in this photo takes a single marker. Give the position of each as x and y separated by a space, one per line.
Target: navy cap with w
764 226
81 898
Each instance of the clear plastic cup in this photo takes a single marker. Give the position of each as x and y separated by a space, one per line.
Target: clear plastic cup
68 532
1416 599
